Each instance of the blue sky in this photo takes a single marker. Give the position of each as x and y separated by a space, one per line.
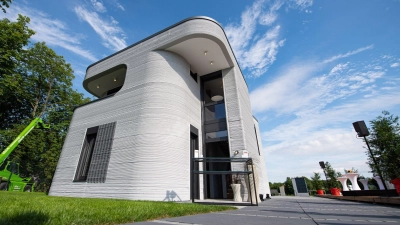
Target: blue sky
312 67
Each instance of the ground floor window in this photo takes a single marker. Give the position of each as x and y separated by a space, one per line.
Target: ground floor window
95 155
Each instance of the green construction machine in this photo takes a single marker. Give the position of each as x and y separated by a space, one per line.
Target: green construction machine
10 179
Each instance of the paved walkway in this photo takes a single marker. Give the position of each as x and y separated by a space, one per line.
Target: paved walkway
295 210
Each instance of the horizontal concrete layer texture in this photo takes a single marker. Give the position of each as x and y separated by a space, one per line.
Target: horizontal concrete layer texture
136 141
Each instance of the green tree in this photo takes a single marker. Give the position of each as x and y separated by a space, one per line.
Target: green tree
289 186
39 152
310 185
35 82
275 185
49 77
384 141
316 181
13 38
5 4
332 176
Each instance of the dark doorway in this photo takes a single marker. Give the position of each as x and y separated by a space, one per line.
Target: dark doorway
194 145
217 185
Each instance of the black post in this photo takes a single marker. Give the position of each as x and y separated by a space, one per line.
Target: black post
377 167
326 179
322 164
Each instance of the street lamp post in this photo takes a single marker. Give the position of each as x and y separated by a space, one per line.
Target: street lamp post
322 164
362 131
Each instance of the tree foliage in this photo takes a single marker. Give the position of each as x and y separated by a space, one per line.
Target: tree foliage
5 4
316 181
289 186
275 185
14 36
384 141
35 82
332 176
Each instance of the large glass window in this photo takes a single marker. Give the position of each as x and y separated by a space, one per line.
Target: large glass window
213 91
215 112
217 134
215 127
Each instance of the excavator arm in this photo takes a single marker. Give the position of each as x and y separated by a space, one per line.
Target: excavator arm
36 123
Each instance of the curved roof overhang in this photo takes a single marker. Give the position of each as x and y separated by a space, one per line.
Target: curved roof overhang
204 53
191 47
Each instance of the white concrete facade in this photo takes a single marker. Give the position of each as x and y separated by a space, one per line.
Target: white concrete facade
154 110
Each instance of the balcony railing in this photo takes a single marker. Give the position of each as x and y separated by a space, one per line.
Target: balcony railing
245 172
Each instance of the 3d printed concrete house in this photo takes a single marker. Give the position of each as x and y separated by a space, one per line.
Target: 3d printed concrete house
175 95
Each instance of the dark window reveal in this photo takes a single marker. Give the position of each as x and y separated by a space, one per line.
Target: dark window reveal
194 76
95 155
258 147
86 154
113 91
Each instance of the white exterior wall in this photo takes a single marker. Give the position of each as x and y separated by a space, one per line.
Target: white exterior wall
153 110
264 182
150 153
242 135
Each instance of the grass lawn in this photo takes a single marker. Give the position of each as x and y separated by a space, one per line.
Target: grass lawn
39 209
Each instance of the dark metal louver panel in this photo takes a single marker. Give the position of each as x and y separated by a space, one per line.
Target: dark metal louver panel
101 154
301 185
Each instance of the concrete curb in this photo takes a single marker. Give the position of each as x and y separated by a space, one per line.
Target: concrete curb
372 199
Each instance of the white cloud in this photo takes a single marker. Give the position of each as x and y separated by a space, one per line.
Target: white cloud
52 31
387 57
98 6
366 77
278 95
322 126
302 88
80 73
112 35
269 18
300 4
395 65
118 5
390 82
263 52
113 20
254 53
317 104
240 35
338 68
325 135
348 53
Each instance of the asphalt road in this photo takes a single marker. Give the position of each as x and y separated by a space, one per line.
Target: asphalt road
297 211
